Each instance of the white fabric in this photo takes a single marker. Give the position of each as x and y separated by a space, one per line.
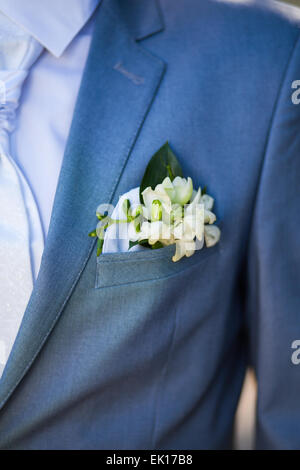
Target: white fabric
54 23
18 51
44 119
116 238
42 123
48 99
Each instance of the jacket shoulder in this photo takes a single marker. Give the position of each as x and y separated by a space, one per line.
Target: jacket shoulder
259 20
256 37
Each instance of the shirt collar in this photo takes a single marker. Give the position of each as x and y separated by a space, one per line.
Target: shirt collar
53 23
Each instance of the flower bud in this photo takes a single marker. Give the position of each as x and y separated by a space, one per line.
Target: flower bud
183 190
156 211
126 207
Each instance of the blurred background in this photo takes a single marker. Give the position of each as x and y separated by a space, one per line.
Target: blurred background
293 2
245 418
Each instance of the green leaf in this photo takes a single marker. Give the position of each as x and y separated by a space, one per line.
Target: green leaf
93 233
141 242
131 244
144 243
157 245
163 163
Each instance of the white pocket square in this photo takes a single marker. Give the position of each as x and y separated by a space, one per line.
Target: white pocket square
165 210
116 238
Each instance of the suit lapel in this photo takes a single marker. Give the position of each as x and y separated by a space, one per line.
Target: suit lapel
118 86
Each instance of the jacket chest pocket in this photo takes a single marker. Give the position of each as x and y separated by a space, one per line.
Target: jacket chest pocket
115 269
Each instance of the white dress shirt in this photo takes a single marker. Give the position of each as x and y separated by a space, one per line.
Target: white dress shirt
64 28
46 106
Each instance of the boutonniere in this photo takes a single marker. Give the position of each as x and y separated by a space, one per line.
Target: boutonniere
170 211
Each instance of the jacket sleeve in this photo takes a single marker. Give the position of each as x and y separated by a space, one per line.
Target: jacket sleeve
273 296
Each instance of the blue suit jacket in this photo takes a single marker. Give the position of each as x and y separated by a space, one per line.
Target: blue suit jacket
134 351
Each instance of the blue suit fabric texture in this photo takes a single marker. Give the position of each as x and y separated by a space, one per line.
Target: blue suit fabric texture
131 350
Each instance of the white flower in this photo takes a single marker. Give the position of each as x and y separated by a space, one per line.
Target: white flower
209 217
152 232
208 202
174 213
180 190
151 196
184 248
189 229
212 235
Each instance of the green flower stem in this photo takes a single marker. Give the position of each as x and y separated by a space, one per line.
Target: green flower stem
110 222
129 219
99 246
